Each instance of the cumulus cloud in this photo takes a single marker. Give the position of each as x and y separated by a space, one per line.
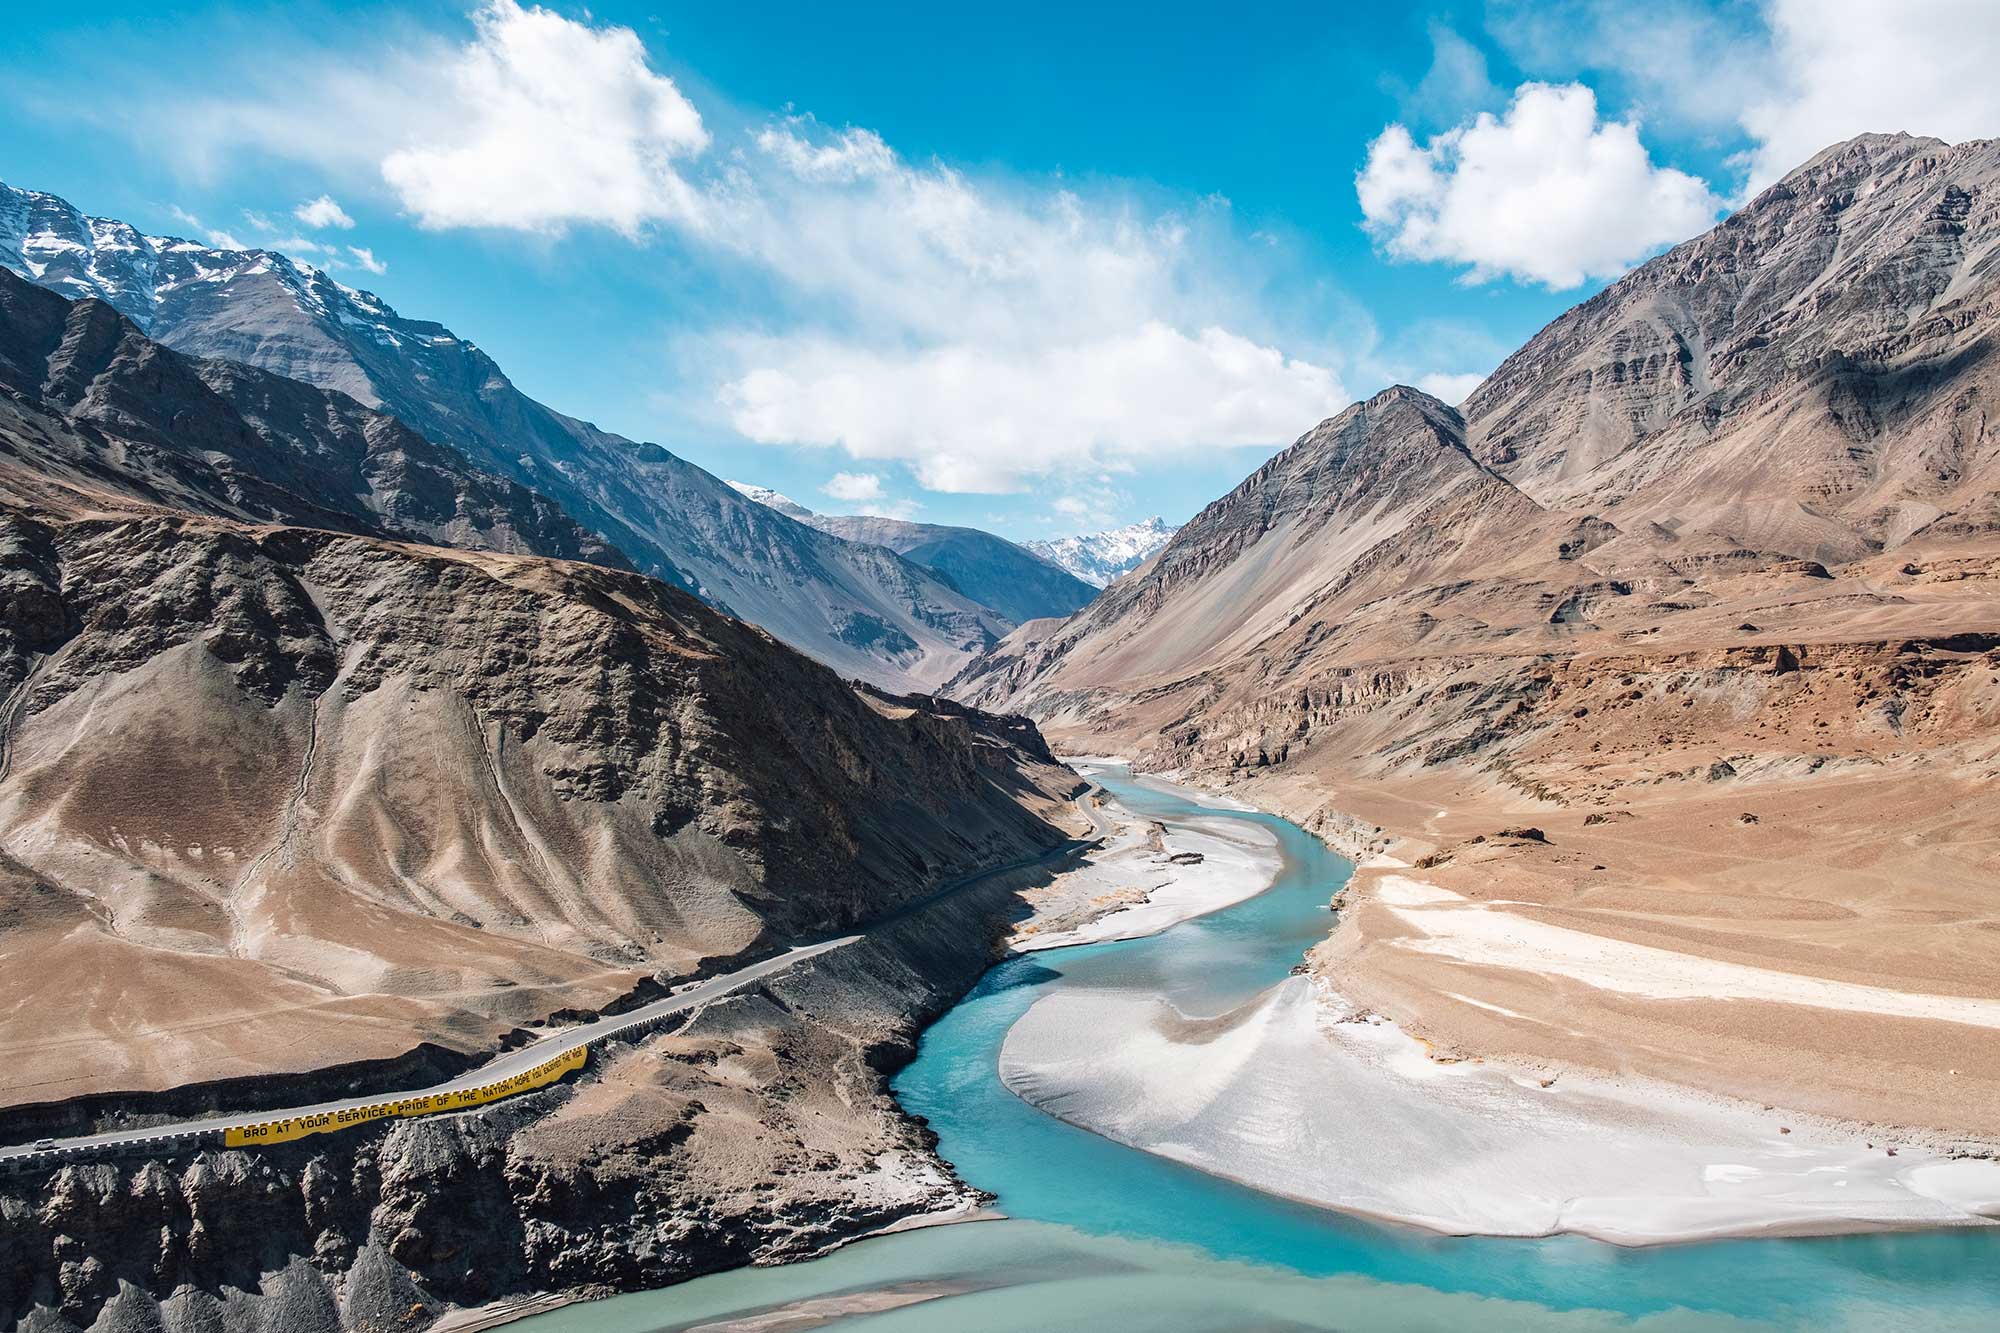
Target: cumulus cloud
535 122
558 122
1845 67
364 258
1453 389
1546 193
854 487
323 212
986 331
984 417
1793 76
987 336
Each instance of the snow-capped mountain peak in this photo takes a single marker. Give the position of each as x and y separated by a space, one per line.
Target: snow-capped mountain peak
771 499
1100 558
152 279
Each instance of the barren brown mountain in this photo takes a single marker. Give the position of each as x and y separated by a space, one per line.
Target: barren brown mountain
294 802
1702 589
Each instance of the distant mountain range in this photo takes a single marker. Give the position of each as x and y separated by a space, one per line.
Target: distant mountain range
858 607
1014 580
1101 558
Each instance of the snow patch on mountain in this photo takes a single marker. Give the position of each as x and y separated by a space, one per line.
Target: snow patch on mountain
771 499
1100 558
55 244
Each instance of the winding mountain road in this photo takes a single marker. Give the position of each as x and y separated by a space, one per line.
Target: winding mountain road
557 1043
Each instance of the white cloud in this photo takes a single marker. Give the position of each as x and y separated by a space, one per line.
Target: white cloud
1071 506
323 212
1087 508
849 156
970 417
854 486
535 123
1455 83
214 236
1793 76
1547 193
557 122
987 335
364 258
1453 389
1844 67
987 332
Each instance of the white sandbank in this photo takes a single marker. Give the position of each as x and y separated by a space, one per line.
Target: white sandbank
1129 889
1452 926
1291 1094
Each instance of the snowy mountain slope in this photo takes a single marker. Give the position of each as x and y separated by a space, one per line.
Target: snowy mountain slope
1099 558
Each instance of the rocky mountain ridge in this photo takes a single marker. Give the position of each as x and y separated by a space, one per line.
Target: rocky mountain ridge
97 415
1703 584
995 572
322 755
1808 378
864 611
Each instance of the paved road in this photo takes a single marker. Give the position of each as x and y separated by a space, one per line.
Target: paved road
566 1039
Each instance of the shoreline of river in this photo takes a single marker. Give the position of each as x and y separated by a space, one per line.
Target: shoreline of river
1575 1151
1146 877
1071 1194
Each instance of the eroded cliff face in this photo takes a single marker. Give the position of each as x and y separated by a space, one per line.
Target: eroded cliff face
277 798
1813 377
330 764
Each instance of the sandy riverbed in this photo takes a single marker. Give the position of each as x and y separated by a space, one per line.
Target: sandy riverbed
1147 878
1296 1094
1301 1093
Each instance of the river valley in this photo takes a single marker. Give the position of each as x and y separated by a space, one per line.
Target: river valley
1098 1233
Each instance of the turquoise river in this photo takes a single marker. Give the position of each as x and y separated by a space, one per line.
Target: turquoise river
1099 1236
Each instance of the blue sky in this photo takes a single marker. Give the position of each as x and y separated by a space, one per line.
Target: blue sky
1032 269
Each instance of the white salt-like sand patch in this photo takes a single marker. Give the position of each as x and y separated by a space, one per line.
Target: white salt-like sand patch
1238 860
1452 926
1286 1096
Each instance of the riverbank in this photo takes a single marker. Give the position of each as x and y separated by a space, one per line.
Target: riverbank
1302 1093
1099 1232
1146 877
